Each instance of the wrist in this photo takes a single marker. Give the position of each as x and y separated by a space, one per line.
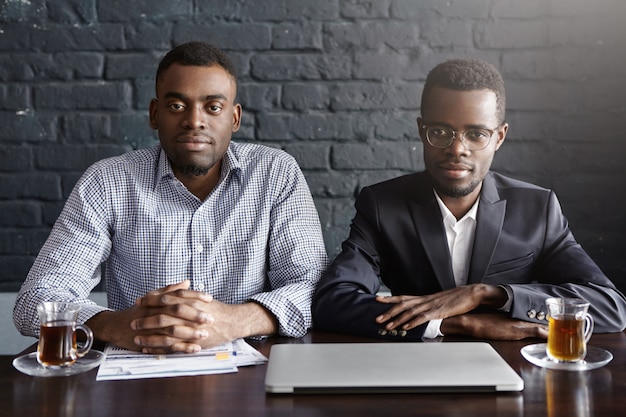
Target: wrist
493 295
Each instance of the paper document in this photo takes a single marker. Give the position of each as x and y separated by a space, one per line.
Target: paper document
127 364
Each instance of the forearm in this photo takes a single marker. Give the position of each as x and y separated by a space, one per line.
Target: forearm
252 319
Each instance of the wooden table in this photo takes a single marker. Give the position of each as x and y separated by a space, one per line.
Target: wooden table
599 392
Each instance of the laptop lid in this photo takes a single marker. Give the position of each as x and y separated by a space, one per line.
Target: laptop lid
324 368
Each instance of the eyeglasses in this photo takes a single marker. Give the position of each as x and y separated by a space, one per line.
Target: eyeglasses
472 139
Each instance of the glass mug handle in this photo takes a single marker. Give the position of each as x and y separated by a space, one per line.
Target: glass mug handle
82 351
588 327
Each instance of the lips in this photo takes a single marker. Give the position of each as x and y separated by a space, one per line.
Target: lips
194 142
455 170
194 139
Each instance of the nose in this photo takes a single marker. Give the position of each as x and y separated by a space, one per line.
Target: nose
194 118
457 147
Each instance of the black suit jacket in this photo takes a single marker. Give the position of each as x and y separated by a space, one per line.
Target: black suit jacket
522 241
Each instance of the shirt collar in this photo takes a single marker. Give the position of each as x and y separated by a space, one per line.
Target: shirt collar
230 163
449 217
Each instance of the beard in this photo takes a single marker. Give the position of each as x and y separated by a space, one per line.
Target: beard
193 170
456 191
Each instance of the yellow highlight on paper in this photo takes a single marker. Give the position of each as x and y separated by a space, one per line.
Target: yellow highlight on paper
220 356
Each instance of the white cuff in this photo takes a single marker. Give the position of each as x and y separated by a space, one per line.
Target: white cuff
433 329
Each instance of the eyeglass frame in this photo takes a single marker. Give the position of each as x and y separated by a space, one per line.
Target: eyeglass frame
456 133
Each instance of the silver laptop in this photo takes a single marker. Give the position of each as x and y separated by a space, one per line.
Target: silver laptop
324 368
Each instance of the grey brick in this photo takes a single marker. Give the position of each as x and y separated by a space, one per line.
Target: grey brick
132 66
143 93
228 36
15 96
528 65
13 270
301 66
572 8
72 11
588 30
371 35
285 126
302 97
133 129
300 35
45 186
390 125
365 8
411 9
129 11
258 97
310 156
22 11
527 9
382 65
24 126
332 184
22 241
52 210
74 157
149 36
84 95
375 96
79 38
512 34
20 213
385 155
81 64
15 158
86 128
313 10
14 37
441 31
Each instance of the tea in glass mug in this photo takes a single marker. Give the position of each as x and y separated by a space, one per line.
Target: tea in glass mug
57 345
569 329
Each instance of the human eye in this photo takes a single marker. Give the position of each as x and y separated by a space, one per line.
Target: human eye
477 135
176 107
437 132
214 108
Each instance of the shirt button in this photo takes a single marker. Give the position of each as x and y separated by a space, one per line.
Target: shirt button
199 248
201 286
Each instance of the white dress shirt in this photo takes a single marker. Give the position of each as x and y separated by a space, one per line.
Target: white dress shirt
460 237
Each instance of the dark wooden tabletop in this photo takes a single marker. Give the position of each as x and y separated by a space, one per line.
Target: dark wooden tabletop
600 392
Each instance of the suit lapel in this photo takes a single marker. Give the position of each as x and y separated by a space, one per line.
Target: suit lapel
429 228
489 221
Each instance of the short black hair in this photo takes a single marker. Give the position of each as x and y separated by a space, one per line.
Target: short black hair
467 74
200 54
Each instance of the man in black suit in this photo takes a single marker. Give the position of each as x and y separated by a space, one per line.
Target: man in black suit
463 250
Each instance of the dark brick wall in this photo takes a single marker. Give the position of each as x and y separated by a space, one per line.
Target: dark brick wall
336 83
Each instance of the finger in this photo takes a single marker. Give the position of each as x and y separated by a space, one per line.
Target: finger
401 307
390 299
171 336
173 297
162 345
163 321
183 285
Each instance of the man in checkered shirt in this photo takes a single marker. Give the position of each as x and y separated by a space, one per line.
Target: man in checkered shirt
199 240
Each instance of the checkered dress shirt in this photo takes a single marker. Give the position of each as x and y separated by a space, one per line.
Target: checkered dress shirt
256 237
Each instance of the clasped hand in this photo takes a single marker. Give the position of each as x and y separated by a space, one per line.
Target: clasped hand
170 319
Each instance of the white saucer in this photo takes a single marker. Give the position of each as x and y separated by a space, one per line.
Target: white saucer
596 357
28 364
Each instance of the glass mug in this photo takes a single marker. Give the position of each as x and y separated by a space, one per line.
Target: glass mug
57 347
569 329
